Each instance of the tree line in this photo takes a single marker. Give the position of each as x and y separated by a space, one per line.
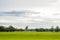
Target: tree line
13 29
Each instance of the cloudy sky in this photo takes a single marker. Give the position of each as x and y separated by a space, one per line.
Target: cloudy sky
34 13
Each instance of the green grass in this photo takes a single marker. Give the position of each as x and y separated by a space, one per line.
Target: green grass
29 36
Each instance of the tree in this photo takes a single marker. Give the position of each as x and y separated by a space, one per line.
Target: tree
41 29
26 28
37 30
21 29
2 28
52 29
57 29
11 28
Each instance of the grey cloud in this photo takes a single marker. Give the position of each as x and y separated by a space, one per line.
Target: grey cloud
22 4
17 13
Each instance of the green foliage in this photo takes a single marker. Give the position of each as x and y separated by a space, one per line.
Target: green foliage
52 29
12 29
57 29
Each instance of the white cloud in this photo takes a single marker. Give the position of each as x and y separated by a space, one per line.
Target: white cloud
45 11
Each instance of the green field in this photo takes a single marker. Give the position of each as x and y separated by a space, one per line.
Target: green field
29 36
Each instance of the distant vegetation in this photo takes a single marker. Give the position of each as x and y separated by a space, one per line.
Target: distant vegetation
12 29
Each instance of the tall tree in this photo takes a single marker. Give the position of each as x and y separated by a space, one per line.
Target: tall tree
26 28
52 29
57 29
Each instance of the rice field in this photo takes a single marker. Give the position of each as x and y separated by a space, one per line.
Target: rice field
29 35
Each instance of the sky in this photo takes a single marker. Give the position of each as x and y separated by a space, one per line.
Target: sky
34 13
